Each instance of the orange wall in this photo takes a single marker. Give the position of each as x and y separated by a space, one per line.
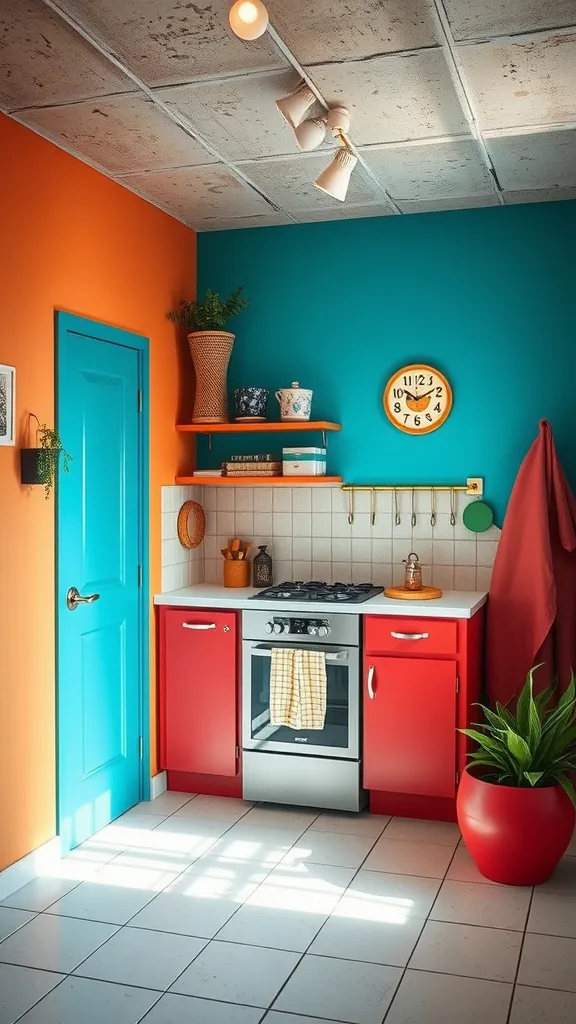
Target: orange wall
71 239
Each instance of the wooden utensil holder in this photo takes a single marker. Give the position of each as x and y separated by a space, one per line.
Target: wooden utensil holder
236 572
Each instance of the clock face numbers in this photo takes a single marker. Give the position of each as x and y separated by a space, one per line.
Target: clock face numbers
417 399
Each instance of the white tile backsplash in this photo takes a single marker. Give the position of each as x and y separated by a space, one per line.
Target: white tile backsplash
309 536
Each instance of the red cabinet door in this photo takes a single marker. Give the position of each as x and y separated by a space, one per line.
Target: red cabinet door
410 726
200 709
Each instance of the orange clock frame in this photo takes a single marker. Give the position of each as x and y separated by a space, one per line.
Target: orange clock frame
424 367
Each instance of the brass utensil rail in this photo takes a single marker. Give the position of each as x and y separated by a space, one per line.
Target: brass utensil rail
473 486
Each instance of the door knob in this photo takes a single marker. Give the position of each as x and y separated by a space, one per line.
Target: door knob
74 598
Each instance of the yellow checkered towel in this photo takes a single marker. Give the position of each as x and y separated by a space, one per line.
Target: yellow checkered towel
298 688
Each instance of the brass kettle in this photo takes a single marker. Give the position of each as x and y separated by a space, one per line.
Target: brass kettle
412 572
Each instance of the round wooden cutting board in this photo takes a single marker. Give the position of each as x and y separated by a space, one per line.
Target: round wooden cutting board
401 594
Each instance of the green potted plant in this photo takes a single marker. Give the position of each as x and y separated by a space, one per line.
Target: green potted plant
39 465
516 800
210 348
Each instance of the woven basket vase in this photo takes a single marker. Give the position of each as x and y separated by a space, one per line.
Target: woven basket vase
210 352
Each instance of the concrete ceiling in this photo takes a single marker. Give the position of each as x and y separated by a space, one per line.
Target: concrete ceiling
455 103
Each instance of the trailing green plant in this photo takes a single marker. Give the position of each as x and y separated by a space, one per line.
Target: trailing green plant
534 747
210 315
48 455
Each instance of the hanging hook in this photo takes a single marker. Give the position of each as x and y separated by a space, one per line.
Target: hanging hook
397 518
351 507
413 517
452 507
432 507
372 507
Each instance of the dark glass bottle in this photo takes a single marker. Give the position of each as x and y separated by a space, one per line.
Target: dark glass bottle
262 568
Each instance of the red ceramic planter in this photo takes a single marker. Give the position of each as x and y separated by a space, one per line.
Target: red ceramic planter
515 836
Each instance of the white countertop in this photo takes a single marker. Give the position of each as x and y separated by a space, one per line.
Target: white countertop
454 604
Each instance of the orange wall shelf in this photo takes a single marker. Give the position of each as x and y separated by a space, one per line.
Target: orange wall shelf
258 481
268 427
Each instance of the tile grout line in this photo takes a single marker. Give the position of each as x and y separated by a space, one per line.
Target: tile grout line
520 953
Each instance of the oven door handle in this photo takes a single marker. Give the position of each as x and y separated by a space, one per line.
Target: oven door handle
264 652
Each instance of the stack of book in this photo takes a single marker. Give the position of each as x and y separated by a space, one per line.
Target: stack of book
253 465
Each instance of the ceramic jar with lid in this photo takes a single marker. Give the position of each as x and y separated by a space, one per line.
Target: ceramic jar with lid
295 402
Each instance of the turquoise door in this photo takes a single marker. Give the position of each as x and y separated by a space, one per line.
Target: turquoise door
99 553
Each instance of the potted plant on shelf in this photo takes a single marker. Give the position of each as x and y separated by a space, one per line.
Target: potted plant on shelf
210 347
516 800
39 465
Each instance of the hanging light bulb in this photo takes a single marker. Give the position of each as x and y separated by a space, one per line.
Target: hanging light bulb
311 133
294 106
335 179
248 19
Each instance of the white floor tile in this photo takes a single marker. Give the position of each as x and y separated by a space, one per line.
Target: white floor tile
164 804
235 973
547 961
172 1009
21 988
376 942
463 869
260 845
149 871
54 943
312 888
541 1006
91 1002
11 920
331 848
39 894
132 829
192 837
274 816
136 820
563 880
426 860
378 896
339 989
185 915
221 808
488 953
220 878
493 906
439 833
137 957
363 824
552 913
424 998
275 1017
110 903
273 927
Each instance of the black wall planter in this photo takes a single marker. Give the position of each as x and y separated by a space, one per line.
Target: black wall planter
29 473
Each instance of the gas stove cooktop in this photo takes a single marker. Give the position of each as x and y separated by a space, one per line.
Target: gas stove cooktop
333 593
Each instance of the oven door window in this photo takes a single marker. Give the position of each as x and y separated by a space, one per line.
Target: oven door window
336 731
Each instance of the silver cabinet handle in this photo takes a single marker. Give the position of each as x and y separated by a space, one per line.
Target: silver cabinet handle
369 681
198 625
410 636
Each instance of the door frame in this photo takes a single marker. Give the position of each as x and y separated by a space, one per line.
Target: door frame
69 323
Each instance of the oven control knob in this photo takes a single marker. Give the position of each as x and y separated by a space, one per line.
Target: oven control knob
279 627
323 630
312 630
269 626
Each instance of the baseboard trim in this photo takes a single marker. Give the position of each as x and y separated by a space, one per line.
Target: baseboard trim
40 862
158 784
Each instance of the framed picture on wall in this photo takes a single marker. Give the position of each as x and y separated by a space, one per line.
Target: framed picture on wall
7 404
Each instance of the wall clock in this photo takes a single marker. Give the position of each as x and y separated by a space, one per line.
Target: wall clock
417 399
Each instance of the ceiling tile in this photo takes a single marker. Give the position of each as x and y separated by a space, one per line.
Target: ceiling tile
42 60
394 98
195 194
439 205
337 30
238 115
431 171
521 84
171 41
542 195
470 19
127 133
265 220
289 182
346 211
537 160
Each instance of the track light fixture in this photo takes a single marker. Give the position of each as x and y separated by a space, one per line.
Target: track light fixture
311 133
248 19
294 106
335 179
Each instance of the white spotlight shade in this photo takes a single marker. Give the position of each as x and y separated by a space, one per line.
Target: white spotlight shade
335 179
294 106
248 19
311 133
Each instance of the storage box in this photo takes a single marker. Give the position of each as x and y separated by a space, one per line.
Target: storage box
304 462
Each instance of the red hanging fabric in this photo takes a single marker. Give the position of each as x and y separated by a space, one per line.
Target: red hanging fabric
531 614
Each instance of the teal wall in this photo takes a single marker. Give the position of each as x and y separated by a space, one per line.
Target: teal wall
486 295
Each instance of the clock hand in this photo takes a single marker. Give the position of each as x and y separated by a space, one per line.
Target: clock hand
412 397
426 393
